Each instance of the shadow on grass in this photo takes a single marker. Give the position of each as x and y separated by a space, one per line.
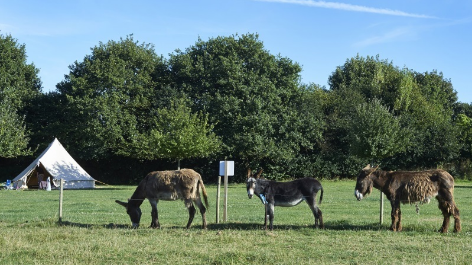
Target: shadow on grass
345 225
215 227
235 226
337 226
108 226
462 187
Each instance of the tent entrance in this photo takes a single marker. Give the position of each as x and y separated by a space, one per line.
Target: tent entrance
33 180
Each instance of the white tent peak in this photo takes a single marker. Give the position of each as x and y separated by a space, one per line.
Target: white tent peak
57 163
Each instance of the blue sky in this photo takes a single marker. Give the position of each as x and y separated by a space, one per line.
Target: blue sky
422 35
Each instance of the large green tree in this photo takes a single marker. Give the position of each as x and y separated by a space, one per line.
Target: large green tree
19 85
375 132
19 81
111 95
422 101
13 134
435 139
178 134
372 78
251 96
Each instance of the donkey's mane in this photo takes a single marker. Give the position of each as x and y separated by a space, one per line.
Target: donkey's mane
139 194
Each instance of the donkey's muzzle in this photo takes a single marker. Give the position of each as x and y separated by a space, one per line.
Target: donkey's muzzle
358 195
250 196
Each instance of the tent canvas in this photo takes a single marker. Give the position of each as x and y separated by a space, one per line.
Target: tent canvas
55 162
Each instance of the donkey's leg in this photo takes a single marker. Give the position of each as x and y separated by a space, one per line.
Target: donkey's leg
154 213
457 219
270 212
311 201
202 208
447 197
399 222
446 212
394 215
191 212
266 214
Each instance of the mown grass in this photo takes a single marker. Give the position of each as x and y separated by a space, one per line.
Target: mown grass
96 230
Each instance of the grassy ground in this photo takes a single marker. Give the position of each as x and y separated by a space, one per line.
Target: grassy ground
95 230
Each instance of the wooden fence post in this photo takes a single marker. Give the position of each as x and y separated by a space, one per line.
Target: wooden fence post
60 200
218 200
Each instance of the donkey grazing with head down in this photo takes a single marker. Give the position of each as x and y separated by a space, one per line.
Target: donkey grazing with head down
286 194
184 184
411 187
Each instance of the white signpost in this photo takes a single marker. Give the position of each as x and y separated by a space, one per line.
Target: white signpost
226 169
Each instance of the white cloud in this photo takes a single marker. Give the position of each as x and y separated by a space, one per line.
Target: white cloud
349 7
394 35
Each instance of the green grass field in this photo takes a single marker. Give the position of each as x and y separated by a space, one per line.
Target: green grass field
96 230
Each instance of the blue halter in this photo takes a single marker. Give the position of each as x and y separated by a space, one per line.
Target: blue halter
263 199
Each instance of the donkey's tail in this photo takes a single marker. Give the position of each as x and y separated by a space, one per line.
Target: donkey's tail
321 196
204 193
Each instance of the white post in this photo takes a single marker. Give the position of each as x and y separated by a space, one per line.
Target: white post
218 200
225 213
60 200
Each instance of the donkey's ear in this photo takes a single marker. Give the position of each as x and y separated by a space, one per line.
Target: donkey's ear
249 173
367 167
124 204
259 173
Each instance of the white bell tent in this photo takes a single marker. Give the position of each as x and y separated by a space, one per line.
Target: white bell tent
55 162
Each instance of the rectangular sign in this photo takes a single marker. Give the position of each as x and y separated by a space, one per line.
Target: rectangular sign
230 168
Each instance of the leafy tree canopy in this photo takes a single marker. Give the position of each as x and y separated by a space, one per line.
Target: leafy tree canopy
375 132
252 97
422 102
19 81
13 134
179 134
111 95
19 85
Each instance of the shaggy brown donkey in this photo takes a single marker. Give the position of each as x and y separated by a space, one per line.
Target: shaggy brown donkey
184 184
411 187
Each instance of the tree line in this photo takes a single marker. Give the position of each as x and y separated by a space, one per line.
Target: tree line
124 110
